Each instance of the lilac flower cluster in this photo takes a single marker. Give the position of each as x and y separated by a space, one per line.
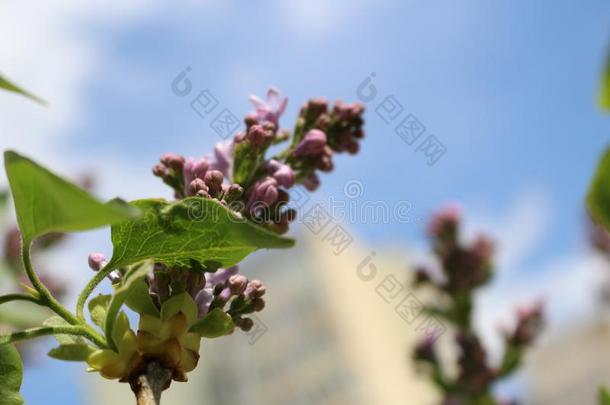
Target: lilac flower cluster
239 175
465 268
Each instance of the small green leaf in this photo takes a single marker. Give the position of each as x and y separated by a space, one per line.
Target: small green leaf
11 375
194 228
139 299
72 352
604 94
63 339
598 198
120 327
122 293
604 396
47 203
215 324
179 303
98 307
9 86
247 160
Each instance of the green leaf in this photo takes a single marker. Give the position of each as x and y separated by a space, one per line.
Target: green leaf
63 339
9 86
604 396
11 375
98 307
598 198
47 203
215 324
122 293
179 303
192 229
72 352
247 159
604 94
139 299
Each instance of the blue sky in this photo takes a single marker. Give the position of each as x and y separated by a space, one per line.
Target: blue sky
508 87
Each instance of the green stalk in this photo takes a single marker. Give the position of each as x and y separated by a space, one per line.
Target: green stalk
91 285
47 299
18 297
45 331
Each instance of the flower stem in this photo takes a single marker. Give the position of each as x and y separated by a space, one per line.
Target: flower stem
44 331
91 285
47 299
18 297
149 385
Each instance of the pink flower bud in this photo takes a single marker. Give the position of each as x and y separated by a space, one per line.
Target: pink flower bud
97 261
312 144
195 169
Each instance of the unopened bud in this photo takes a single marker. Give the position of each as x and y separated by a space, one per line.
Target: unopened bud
196 186
97 261
213 179
238 283
245 324
258 304
312 144
160 170
173 161
256 135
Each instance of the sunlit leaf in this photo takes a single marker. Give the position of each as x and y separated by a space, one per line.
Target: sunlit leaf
47 203
598 199
11 375
71 352
121 293
10 86
98 307
215 324
193 229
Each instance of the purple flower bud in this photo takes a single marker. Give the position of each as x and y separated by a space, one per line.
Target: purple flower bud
239 137
224 295
256 135
204 299
251 119
446 219
264 193
221 276
258 304
196 186
323 122
232 192
213 179
97 261
173 161
160 170
195 169
255 289
282 173
238 283
312 182
312 144
245 324
483 248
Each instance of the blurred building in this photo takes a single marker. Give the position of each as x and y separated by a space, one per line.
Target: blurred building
332 333
569 367
329 335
